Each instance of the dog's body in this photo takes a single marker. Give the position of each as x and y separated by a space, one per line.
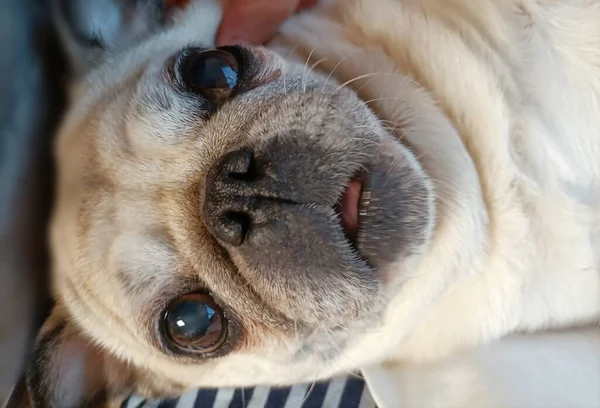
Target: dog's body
480 237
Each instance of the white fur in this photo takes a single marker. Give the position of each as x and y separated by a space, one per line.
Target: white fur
520 83
499 100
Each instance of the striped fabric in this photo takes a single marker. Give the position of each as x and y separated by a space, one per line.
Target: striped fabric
345 392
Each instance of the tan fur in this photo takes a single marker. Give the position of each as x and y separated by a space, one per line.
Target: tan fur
498 102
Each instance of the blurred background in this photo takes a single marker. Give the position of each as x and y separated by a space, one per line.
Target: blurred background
31 70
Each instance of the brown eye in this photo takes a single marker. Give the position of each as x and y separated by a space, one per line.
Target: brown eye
211 74
194 322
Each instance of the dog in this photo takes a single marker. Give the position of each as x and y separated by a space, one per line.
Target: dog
410 188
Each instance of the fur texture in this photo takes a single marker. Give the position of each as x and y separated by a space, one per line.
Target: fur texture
479 124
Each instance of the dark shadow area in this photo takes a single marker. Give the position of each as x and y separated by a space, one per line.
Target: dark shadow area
31 100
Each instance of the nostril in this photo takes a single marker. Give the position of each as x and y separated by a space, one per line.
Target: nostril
241 165
238 161
233 227
229 193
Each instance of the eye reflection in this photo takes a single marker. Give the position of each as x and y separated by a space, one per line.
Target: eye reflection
212 74
194 322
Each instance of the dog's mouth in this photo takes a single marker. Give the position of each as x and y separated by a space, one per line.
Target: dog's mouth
349 208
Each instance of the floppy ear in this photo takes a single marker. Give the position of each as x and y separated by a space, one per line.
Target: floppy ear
67 370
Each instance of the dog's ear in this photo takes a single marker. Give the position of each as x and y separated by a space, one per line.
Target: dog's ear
67 370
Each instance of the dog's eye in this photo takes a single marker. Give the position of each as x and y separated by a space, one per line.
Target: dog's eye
194 322
211 74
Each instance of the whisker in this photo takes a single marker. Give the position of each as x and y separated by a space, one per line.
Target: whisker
357 90
311 69
304 69
309 391
317 63
372 74
414 81
285 70
388 127
391 122
420 156
385 98
328 333
335 67
348 82
372 127
293 50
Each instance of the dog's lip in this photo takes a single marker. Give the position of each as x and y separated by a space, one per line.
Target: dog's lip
351 207
348 208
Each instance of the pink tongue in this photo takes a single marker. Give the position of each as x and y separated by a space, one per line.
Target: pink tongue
349 207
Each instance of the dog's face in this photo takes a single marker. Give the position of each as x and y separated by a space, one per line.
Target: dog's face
227 217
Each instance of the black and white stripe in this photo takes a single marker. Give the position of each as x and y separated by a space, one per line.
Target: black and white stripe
344 392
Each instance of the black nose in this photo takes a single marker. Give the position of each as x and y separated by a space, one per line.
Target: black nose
229 203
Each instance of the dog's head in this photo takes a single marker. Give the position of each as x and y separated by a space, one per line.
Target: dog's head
225 217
